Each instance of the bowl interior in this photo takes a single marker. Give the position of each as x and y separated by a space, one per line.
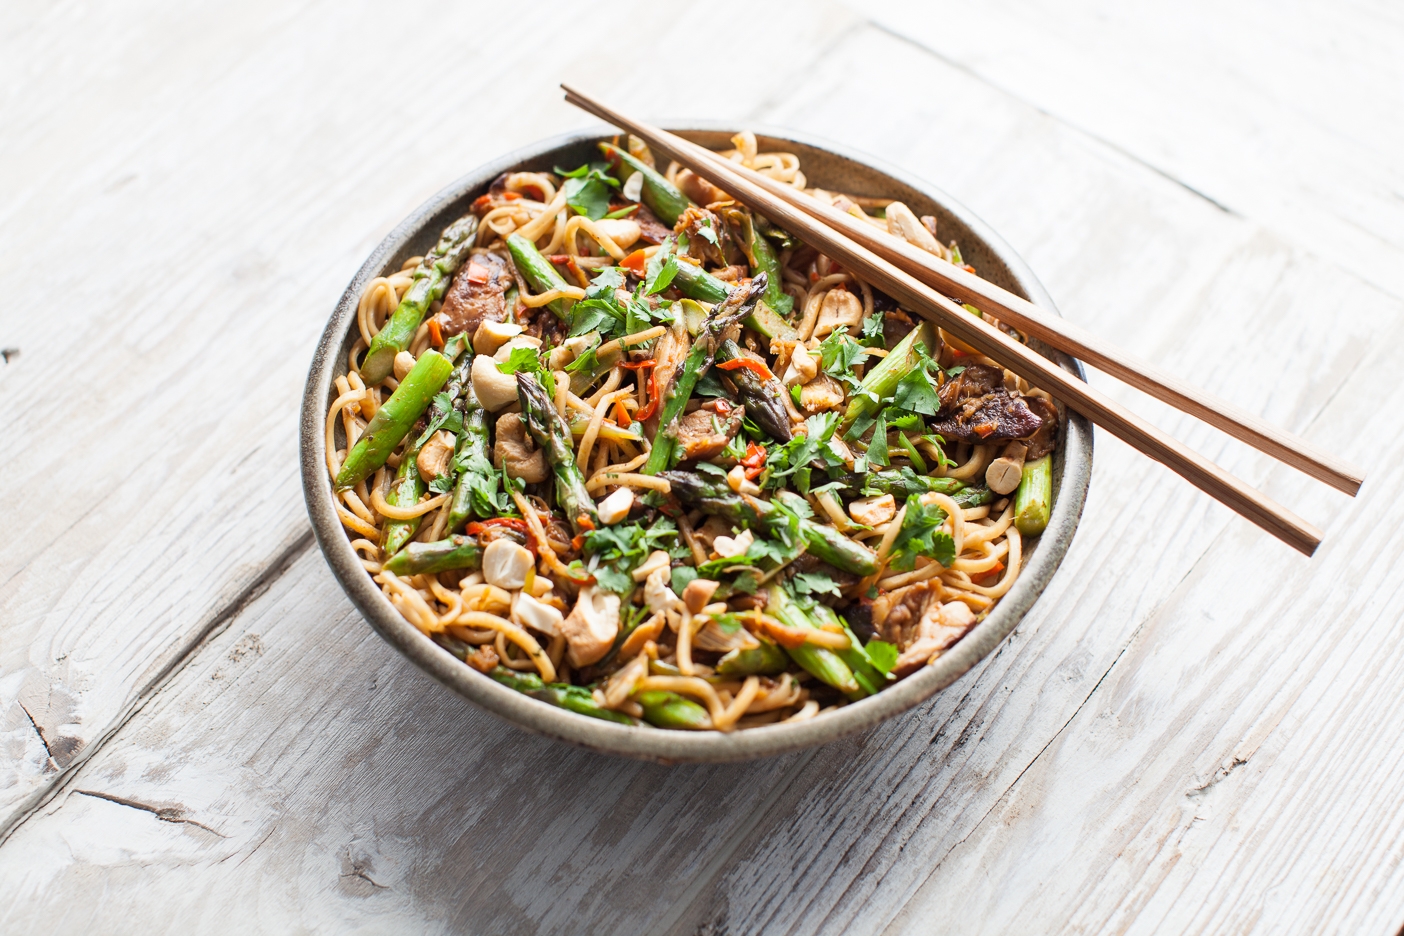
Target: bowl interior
828 167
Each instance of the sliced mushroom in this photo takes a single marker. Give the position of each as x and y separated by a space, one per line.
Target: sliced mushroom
433 459
820 394
902 222
616 506
493 389
718 640
873 511
515 451
591 627
697 188
841 308
505 564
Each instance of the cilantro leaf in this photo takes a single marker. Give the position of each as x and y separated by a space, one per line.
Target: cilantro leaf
877 448
660 269
916 393
873 335
587 189
814 583
528 360
921 535
614 552
838 353
882 655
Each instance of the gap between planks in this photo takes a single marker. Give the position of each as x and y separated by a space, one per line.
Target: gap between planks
218 622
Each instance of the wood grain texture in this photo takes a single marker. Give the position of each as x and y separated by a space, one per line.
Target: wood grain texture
1195 730
205 184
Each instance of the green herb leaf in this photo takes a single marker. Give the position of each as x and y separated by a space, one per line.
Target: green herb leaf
613 552
877 448
587 189
882 655
921 535
815 583
660 269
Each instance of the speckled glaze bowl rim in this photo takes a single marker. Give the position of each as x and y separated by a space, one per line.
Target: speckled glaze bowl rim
645 742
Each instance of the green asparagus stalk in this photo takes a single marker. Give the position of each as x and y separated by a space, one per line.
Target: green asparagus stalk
820 662
899 482
881 381
456 552
660 195
670 710
576 699
697 284
762 397
855 657
765 660
552 434
973 497
538 271
431 279
395 418
406 490
768 263
1034 498
738 305
475 491
717 498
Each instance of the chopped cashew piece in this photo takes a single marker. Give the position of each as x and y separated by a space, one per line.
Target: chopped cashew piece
434 457
492 335
698 592
403 362
658 559
616 506
623 231
657 595
873 511
493 389
802 368
730 546
537 615
902 222
738 482
505 564
591 627
1004 473
841 308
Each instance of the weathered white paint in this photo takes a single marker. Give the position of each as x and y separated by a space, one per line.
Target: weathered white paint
1171 741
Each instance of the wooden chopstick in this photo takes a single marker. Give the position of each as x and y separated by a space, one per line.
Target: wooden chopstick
1033 367
1058 332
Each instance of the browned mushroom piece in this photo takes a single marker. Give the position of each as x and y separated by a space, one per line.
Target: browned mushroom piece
704 432
515 451
976 407
476 295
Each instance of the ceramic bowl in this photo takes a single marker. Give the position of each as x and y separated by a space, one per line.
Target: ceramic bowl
827 166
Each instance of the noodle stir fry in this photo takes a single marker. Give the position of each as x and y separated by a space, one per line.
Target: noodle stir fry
623 445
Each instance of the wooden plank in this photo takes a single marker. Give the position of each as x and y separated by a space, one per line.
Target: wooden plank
353 794
201 188
1283 113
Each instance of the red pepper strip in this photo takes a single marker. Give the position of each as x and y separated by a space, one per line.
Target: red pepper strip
635 262
577 542
755 367
787 637
477 273
653 401
985 430
585 523
436 335
513 196
723 407
989 573
754 461
621 415
481 203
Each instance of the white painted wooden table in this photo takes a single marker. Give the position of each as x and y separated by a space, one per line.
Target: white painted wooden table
1196 730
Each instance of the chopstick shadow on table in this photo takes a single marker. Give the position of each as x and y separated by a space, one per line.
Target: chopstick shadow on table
792 211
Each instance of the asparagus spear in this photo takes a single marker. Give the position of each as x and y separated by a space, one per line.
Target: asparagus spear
765 660
855 657
1034 497
660 195
670 710
823 541
431 279
766 262
396 416
900 482
738 305
882 380
576 699
763 396
406 491
456 552
552 434
538 271
475 491
822 663
696 283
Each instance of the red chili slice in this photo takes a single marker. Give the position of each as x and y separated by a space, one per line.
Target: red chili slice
754 366
477 273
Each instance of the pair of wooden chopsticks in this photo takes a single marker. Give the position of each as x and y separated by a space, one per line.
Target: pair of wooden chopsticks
912 277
